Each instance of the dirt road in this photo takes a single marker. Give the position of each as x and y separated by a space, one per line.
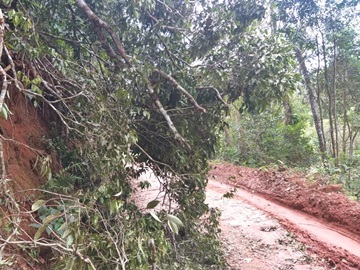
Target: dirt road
277 221
325 222
254 237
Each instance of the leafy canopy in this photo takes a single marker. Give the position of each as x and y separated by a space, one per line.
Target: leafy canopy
132 83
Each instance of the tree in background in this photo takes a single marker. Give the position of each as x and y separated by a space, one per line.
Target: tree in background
320 31
269 137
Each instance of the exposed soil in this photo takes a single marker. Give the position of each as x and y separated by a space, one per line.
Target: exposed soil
320 216
23 137
252 239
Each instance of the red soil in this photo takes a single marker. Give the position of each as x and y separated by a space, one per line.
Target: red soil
327 203
23 142
22 136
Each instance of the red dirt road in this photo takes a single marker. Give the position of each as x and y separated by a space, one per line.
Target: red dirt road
281 195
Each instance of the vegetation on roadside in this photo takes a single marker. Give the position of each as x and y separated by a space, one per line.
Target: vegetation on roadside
129 85
323 136
263 138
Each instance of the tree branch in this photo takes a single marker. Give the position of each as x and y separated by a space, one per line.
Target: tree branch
181 89
216 91
12 66
164 26
99 23
2 71
170 123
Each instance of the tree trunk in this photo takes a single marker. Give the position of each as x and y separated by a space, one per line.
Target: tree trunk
345 118
313 104
352 140
334 108
319 90
288 114
330 97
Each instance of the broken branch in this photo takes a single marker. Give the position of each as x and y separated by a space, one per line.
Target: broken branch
170 123
99 23
181 89
216 91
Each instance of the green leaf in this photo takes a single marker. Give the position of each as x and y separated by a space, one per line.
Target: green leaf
69 240
36 205
37 80
174 228
66 233
16 20
62 227
153 214
152 204
40 231
176 220
11 13
50 218
4 113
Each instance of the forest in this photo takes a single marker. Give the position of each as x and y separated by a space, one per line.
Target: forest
109 89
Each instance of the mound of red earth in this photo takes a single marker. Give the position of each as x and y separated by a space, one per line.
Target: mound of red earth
24 137
327 202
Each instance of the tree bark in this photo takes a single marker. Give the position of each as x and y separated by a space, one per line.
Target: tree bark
330 97
313 104
345 118
318 90
334 108
288 114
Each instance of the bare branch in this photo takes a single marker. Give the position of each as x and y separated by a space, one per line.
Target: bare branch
3 87
216 91
37 151
164 26
34 244
62 117
2 71
12 68
76 42
110 51
2 31
156 162
170 123
99 23
181 89
2 161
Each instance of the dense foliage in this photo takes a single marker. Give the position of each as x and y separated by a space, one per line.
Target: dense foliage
264 138
130 86
133 85
325 39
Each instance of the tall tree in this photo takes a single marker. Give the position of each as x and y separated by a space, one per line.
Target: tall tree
313 103
315 28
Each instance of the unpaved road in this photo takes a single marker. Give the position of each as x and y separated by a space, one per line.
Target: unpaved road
254 237
260 233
